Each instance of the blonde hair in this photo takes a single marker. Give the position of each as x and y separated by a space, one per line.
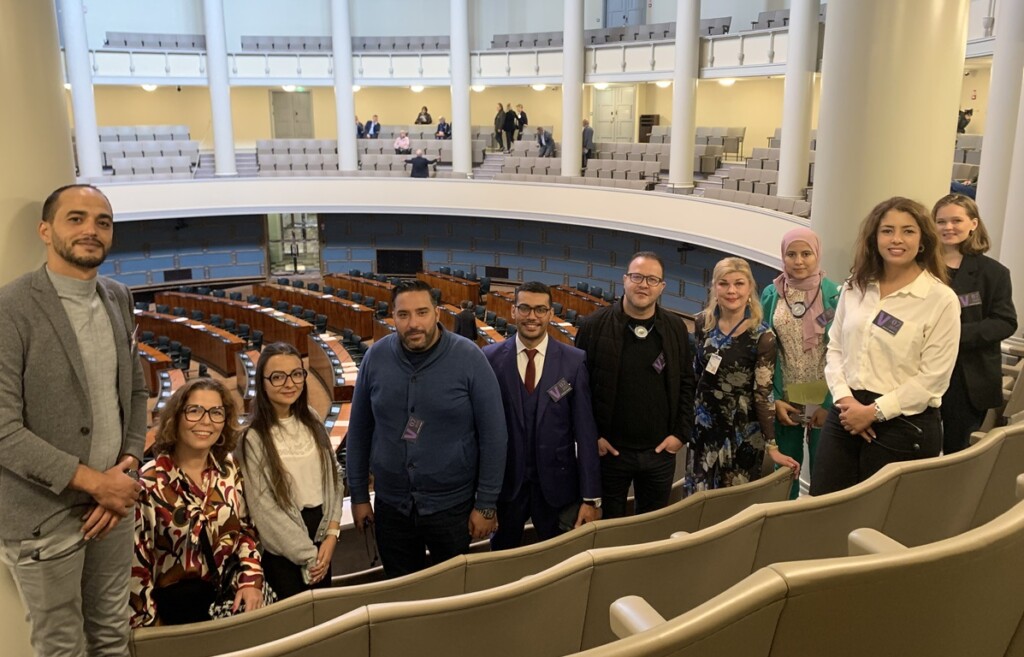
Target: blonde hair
725 267
977 242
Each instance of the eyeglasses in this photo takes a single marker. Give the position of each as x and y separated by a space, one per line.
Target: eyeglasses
277 379
48 526
539 311
195 414
637 279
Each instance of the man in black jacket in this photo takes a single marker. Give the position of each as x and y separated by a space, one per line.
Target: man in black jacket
420 165
642 383
465 321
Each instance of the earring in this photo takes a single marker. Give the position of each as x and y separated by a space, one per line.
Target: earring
920 249
220 441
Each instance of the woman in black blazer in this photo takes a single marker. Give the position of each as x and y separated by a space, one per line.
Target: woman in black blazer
987 316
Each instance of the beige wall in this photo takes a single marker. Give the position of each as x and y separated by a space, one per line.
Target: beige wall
976 84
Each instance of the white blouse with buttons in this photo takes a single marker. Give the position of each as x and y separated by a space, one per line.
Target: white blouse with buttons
910 368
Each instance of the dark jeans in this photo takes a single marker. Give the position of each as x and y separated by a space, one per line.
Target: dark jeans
844 459
509 138
650 474
284 576
959 417
403 539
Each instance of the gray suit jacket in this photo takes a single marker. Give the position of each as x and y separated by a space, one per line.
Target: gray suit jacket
45 414
588 138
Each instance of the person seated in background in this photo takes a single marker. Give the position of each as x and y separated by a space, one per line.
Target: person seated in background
963 120
465 321
372 130
968 187
547 145
424 117
420 165
359 129
444 130
402 144
191 523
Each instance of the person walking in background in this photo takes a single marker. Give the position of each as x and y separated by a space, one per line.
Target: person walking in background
294 482
735 359
552 471
499 128
510 127
891 350
987 317
799 306
521 121
427 422
72 429
641 382
192 521
588 142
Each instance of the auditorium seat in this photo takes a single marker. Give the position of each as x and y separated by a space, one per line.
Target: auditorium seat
163 309
257 340
235 296
220 294
295 311
178 311
313 287
197 315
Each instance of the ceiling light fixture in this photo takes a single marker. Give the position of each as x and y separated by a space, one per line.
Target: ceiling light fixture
288 87
478 88
538 87
416 88
356 88
663 84
149 87
727 82
600 86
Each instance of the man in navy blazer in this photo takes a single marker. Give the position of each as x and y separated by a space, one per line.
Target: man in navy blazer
372 129
552 469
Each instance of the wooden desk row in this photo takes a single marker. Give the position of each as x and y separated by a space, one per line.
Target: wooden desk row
486 334
168 381
276 326
500 303
341 313
573 299
333 365
209 344
368 287
153 362
336 423
382 326
453 290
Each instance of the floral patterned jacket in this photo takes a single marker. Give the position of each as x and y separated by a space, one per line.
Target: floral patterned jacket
169 517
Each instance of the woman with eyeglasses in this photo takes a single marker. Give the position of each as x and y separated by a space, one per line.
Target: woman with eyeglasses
891 349
294 481
192 507
798 306
734 420
987 317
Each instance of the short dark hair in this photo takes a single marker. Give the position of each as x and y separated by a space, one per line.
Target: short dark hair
649 255
466 304
412 285
534 286
50 204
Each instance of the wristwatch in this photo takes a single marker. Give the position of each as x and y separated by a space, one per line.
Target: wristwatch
879 416
488 514
334 531
596 502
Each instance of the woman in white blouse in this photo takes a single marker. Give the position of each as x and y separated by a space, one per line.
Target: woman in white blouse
891 349
293 480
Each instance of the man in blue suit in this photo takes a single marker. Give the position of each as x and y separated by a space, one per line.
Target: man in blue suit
552 470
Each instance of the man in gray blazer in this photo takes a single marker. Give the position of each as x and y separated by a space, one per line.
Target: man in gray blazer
588 142
546 144
72 430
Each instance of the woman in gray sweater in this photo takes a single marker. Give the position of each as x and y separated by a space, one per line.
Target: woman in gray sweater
293 479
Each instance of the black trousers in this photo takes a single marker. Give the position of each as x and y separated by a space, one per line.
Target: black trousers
959 417
513 514
844 459
650 474
284 576
403 539
509 138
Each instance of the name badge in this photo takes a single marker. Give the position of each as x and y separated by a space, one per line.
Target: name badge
659 363
970 299
824 318
713 362
412 429
559 390
887 322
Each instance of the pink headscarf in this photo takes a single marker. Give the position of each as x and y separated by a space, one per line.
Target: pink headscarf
812 330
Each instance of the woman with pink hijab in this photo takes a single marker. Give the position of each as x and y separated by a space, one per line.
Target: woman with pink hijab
799 306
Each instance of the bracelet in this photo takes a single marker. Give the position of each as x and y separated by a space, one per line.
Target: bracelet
771 445
334 531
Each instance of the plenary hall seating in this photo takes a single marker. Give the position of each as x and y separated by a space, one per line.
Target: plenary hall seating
565 609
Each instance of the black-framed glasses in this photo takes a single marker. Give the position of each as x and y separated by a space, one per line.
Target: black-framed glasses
278 378
48 525
525 310
637 279
195 413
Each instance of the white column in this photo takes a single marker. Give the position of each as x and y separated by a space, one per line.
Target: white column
1013 228
83 104
1001 120
345 107
572 89
37 159
220 89
462 133
684 93
884 129
798 97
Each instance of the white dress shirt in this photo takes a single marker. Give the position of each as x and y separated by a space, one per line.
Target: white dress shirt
911 369
538 360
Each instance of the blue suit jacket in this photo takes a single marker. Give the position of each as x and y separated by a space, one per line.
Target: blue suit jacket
568 465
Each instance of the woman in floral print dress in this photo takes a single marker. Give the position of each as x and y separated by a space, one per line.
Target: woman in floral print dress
734 364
